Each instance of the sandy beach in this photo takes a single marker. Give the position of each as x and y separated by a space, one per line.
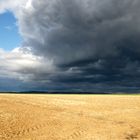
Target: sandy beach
69 117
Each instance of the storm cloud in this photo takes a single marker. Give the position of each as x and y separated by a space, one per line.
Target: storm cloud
80 44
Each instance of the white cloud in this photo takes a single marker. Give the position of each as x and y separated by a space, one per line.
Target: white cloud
21 65
11 5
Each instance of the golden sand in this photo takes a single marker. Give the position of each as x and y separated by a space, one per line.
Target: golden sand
69 117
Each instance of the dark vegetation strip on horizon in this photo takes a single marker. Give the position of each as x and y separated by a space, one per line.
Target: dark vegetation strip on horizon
68 93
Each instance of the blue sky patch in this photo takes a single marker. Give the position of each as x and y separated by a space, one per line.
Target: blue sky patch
9 36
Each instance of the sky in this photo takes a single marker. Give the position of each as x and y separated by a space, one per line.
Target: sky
70 45
9 36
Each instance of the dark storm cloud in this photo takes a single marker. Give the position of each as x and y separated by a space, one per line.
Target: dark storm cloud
89 42
69 31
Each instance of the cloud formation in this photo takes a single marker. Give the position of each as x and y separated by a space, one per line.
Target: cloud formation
77 44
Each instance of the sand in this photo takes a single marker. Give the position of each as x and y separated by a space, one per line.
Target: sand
69 117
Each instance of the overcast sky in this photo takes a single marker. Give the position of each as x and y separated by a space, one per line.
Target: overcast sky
70 45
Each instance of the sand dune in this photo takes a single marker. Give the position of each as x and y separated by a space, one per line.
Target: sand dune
69 117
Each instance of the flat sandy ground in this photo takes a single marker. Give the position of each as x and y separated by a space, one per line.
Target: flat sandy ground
69 117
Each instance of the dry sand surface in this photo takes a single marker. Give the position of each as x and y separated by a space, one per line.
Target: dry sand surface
69 117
